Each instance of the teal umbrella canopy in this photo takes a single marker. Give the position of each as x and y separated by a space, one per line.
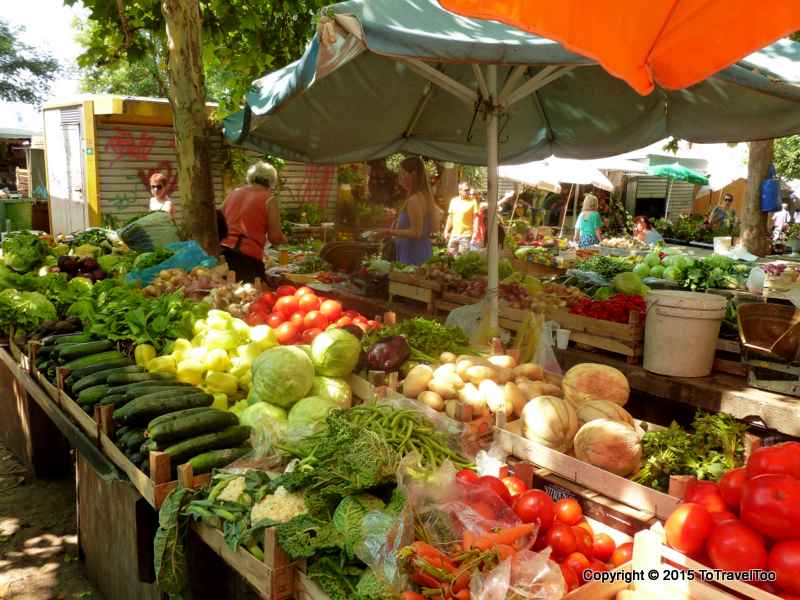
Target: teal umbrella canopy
385 76
678 172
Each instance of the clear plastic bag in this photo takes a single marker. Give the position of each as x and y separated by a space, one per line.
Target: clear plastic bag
525 576
473 320
188 255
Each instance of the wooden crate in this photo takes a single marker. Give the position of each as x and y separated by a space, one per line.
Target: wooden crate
728 358
626 339
414 287
509 318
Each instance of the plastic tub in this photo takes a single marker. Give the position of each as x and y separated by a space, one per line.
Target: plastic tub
722 245
681 332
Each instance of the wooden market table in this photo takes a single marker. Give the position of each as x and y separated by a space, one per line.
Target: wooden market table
719 392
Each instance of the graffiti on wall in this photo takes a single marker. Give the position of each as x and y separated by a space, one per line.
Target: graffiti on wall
125 144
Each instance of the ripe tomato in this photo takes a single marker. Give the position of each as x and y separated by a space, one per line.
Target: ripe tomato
286 332
297 320
784 559
353 314
771 505
721 517
496 485
515 485
687 528
315 320
342 322
285 290
780 458
309 334
603 547
584 524
733 546
583 541
535 506
302 291
372 324
596 566
275 319
578 563
622 554
467 476
286 305
268 298
503 472
255 318
730 488
561 539
308 302
568 511
705 493
332 310
570 578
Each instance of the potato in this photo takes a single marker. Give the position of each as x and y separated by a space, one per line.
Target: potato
515 396
529 370
502 375
462 365
538 388
445 370
417 381
446 386
552 378
447 357
470 394
432 399
478 373
503 360
495 397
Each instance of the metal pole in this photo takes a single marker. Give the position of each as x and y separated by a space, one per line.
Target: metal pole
492 161
666 204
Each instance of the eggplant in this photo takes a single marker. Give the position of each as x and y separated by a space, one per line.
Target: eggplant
89 264
388 354
68 264
354 329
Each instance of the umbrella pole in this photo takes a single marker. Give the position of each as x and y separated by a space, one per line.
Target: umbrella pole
566 208
492 162
669 191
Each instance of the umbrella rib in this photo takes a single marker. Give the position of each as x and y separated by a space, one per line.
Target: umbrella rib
541 79
444 81
481 80
512 80
421 105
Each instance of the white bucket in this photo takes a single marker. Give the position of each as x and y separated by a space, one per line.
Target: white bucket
722 245
681 332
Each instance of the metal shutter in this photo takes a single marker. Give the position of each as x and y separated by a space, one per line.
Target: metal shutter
680 196
71 115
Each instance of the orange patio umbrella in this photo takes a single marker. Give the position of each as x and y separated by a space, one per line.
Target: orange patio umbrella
672 43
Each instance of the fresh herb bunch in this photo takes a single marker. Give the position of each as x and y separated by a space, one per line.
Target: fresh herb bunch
714 446
606 266
469 265
146 260
716 272
425 336
92 237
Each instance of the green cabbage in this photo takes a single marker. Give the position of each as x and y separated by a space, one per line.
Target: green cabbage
266 420
629 283
308 415
25 310
80 285
335 353
334 389
282 375
23 251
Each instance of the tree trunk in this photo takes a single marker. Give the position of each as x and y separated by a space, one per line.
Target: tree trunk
192 130
755 235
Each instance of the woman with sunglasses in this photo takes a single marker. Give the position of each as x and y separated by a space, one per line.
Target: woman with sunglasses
160 200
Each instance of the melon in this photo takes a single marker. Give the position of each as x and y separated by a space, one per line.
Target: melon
592 381
610 445
550 421
603 409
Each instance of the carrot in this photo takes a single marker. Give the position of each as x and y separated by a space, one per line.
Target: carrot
461 582
442 562
425 580
504 551
425 550
469 539
506 536
412 596
462 595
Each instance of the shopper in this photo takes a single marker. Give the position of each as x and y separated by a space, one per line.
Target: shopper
461 215
418 217
780 221
643 231
723 214
160 200
253 219
589 224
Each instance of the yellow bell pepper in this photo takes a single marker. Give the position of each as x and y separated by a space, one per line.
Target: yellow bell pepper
249 352
263 336
162 364
220 401
217 360
221 382
246 380
239 366
199 326
143 354
179 349
190 371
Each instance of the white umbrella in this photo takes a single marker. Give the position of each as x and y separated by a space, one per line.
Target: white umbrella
549 173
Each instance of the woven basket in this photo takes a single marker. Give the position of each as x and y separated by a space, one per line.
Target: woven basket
347 256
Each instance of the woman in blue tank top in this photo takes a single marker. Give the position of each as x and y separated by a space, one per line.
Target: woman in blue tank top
418 218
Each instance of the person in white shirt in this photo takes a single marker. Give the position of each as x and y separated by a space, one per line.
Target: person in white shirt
780 220
160 200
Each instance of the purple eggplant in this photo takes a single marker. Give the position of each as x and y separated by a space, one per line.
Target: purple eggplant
388 354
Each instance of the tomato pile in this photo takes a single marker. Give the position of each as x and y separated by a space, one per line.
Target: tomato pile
750 520
616 308
298 315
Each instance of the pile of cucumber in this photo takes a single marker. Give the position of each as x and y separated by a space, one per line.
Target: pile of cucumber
76 351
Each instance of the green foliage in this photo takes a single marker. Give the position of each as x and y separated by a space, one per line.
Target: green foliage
25 72
24 251
348 516
171 564
787 157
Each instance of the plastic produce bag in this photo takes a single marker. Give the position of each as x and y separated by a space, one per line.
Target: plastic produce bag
525 576
188 255
473 319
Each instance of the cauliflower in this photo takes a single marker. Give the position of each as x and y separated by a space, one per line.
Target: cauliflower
282 506
233 491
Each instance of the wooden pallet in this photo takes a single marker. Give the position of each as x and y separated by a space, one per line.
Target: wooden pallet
414 287
626 339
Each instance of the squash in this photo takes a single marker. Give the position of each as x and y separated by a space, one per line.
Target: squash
590 381
529 370
531 389
550 421
603 409
610 445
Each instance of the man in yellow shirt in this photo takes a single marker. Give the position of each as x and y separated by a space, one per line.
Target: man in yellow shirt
461 217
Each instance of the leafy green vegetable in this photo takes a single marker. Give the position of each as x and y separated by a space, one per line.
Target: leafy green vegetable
469 265
425 336
348 516
171 565
25 310
606 266
24 251
150 259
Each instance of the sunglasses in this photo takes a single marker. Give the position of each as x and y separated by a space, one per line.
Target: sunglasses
156 187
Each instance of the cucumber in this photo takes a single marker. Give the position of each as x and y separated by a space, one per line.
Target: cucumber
56 338
136 458
144 385
217 440
144 466
123 441
79 374
144 409
157 386
101 376
121 432
133 442
117 400
192 425
73 351
101 358
124 378
214 459
93 394
177 415
148 446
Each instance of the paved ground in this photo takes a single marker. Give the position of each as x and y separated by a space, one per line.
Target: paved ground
38 540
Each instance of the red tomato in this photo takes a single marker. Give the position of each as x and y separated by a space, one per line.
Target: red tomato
309 334
467 476
353 314
784 559
584 524
622 554
275 319
268 298
503 472
568 511
561 539
571 579
285 290
308 302
315 320
705 493
496 485
721 517
359 320
297 320
583 541
286 333
578 563
733 546
515 485
302 291
730 487
535 506
771 505
342 322
331 309
780 458
687 528
286 305
603 547
256 318
372 324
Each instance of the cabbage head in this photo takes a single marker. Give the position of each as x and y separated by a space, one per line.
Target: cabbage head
281 376
335 353
629 283
308 415
333 389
